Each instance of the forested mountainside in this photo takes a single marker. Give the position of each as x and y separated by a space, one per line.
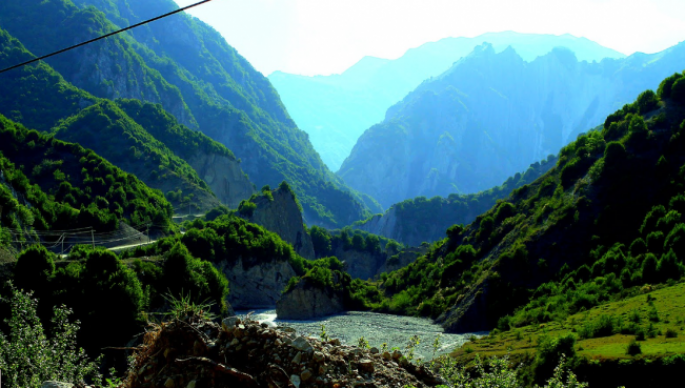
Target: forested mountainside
491 115
604 222
50 184
418 220
37 95
188 68
335 110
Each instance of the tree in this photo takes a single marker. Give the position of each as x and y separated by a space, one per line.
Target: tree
321 240
678 90
649 273
358 242
647 101
35 269
666 86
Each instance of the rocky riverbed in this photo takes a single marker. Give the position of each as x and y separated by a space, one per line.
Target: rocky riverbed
376 328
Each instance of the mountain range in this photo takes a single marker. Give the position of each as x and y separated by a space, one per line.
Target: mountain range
491 115
335 110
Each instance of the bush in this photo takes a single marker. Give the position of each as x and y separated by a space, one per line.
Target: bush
28 357
634 348
678 90
670 333
647 101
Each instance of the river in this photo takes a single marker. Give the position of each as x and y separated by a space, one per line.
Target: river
395 330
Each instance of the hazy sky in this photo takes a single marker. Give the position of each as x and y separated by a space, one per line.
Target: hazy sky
327 36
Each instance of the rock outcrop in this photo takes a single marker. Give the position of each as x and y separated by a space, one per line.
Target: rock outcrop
256 285
282 216
307 301
224 176
249 354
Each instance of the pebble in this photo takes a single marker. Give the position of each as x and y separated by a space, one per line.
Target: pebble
295 379
306 375
229 322
366 365
301 343
318 357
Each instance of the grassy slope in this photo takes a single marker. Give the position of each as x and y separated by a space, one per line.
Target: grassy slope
669 302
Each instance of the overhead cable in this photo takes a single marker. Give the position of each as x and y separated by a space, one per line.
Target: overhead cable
103 37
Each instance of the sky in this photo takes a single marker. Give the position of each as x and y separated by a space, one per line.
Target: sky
321 37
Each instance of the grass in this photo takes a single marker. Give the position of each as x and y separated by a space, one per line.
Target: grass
669 302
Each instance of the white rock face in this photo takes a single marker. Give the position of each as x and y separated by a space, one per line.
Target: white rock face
256 285
224 176
307 302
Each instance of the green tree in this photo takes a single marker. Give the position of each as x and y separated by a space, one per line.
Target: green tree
647 101
321 240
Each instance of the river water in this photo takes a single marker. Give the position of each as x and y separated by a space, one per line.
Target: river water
395 330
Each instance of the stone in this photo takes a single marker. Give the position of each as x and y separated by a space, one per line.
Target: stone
301 343
229 323
374 350
295 379
396 355
235 342
297 359
335 342
387 356
191 384
366 366
318 357
56 384
169 383
306 375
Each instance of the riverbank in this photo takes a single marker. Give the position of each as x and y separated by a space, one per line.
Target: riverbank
376 328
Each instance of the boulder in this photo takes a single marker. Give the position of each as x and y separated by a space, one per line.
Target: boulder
309 301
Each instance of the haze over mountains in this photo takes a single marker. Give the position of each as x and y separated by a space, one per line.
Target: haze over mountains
491 115
335 110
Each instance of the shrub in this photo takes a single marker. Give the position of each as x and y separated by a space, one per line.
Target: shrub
647 101
34 269
666 85
634 348
670 333
678 90
28 357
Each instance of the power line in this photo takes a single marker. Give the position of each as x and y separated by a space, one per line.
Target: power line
104 36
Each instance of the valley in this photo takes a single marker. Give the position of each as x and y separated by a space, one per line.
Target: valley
506 207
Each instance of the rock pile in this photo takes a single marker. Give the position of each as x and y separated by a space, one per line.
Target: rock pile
199 354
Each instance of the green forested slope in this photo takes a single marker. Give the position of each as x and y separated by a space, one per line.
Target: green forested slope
106 129
199 79
51 184
604 221
38 95
419 220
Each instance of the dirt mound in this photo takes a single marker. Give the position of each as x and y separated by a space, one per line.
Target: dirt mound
200 354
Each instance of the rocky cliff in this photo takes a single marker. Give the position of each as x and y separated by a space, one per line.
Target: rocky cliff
278 211
224 176
307 300
256 285
490 115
